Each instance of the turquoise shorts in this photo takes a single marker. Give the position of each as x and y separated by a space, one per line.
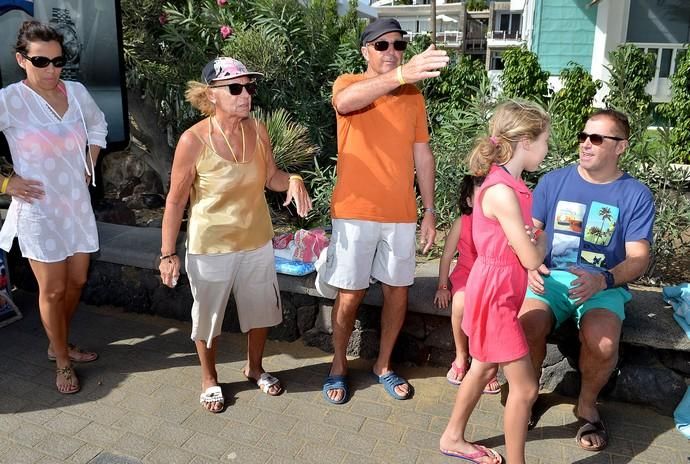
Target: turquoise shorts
556 287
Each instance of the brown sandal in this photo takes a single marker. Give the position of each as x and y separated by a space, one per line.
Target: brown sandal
68 373
76 355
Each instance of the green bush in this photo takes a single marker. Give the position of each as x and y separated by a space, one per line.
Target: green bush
522 75
631 70
571 106
677 111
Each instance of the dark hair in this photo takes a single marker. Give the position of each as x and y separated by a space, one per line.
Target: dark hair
618 118
467 185
34 31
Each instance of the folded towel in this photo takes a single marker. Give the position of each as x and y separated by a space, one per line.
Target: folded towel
678 296
682 415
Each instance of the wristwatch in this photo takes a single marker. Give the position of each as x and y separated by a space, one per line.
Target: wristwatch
62 22
608 277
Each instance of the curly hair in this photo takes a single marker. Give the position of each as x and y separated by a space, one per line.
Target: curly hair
512 121
197 95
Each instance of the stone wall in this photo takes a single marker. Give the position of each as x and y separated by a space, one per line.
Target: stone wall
655 377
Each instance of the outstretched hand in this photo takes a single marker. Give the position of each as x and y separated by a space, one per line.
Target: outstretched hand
425 65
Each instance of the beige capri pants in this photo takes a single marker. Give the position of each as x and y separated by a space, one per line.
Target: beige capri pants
249 275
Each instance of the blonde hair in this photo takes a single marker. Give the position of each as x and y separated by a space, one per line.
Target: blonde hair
197 95
512 121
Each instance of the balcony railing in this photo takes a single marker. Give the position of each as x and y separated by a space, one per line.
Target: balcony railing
504 35
450 38
666 57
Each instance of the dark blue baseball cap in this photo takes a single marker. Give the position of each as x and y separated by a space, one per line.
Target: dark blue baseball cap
379 27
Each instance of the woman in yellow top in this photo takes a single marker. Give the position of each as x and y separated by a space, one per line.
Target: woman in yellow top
222 165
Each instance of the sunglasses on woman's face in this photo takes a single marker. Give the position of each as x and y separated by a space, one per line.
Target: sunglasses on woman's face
596 139
236 89
44 61
382 45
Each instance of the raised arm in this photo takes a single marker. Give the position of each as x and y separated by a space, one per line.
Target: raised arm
362 93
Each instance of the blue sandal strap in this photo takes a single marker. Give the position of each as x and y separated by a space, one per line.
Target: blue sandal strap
336 382
391 380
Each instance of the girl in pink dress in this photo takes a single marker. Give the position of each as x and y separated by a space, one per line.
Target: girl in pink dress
497 283
451 285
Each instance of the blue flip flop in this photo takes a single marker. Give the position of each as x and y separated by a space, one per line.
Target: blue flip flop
392 380
335 382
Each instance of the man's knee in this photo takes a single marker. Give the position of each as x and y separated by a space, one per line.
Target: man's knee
536 321
600 334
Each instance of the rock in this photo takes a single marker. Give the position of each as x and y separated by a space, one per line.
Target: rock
153 200
286 330
442 338
553 355
314 337
114 212
679 361
306 317
441 358
408 349
124 172
414 325
658 387
560 377
363 344
323 318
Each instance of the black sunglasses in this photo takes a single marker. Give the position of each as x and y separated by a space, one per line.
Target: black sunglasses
44 61
236 89
382 45
596 139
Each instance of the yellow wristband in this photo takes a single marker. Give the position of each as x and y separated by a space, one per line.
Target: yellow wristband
296 177
5 182
401 79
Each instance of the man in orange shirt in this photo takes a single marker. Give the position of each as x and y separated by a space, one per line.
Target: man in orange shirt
382 139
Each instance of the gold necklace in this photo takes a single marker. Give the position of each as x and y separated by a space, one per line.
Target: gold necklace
227 142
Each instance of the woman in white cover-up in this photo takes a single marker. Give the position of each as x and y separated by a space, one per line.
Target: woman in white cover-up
48 123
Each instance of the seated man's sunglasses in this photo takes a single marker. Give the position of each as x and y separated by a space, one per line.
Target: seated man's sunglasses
382 45
596 139
44 61
236 89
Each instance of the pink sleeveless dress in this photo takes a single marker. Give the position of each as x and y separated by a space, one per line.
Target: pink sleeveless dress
497 282
466 256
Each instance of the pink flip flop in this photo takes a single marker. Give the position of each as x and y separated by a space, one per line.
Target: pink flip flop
456 371
481 452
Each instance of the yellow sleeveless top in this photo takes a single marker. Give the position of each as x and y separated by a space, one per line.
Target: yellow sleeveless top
228 209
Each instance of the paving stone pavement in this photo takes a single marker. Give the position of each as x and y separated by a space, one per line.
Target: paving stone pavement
139 404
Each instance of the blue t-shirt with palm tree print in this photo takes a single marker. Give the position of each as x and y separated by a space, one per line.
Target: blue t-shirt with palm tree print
588 224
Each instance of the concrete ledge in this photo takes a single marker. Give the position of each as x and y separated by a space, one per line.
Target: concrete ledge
649 321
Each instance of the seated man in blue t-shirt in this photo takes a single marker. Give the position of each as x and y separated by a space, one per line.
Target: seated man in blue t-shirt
599 223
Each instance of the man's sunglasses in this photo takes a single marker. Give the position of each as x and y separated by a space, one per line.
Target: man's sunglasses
44 61
382 45
596 139
236 89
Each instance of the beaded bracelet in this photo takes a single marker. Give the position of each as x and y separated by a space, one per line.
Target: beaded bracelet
167 256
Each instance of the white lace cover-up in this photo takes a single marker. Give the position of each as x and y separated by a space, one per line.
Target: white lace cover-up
52 150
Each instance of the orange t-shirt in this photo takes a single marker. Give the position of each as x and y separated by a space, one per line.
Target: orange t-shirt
375 156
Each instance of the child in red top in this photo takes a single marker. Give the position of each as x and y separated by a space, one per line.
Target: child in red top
498 280
459 239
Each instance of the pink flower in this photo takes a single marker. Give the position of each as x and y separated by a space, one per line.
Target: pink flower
226 31
163 18
221 2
